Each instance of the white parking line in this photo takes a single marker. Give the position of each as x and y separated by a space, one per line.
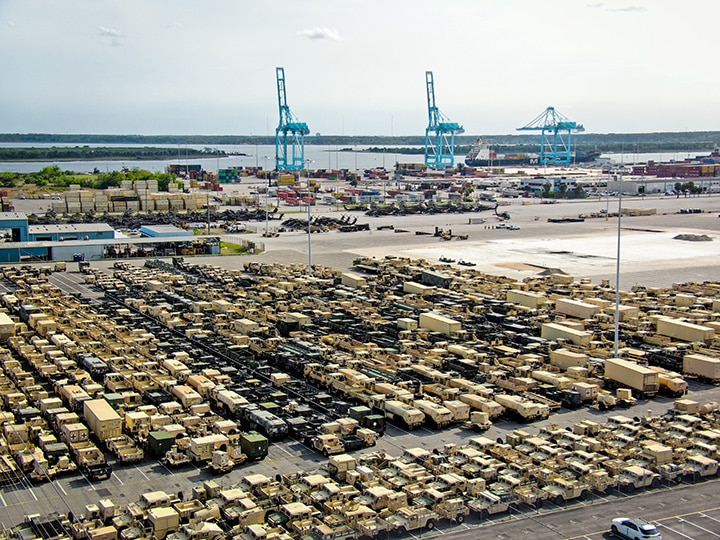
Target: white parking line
142 473
92 487
27 486
710 517
281 448
676 531
118 479
2 500
59 485
701 528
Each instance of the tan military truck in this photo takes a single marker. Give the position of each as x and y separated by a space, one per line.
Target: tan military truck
328 444
488 503
560 490
412 518
636 477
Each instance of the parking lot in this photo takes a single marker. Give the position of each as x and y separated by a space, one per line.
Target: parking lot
682 512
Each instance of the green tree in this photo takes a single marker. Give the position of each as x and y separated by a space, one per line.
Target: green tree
49 175
578 192
9 179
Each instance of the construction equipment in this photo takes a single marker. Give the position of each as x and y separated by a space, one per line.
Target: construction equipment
290 131
440 132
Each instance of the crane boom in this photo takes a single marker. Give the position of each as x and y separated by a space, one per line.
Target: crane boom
290 133
555 136
440 132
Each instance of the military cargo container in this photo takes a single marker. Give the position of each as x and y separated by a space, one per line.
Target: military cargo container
625 373
702 366
685 331
159 442
102 419
254 445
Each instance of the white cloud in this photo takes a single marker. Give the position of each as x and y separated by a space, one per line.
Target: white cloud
595 6
321 33
11 24
108 32
627 9
173 25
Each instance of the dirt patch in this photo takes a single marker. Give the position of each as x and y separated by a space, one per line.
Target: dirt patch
520 267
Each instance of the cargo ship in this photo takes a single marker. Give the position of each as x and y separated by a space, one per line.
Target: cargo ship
481 155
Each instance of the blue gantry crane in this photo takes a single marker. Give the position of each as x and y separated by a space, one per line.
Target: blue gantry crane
556 136
440 133
289 133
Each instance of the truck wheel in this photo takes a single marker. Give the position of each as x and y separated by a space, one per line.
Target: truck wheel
656 483
460 518
430 524
401 531
484 514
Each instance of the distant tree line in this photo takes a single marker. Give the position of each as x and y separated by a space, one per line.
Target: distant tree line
90 153
54 176
609 142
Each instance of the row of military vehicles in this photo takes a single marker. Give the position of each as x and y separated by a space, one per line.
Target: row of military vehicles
376 494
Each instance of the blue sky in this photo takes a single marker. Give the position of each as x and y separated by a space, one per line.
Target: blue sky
355 67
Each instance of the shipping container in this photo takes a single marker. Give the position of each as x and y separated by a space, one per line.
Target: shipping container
102 419
685 331
439 323
526 298
576 308
621 372
554 331
701 366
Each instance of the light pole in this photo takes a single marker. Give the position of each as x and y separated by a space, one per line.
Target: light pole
267 189
607 201
307 165
267 217
617 274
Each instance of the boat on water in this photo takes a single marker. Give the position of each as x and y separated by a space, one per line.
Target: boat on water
481 155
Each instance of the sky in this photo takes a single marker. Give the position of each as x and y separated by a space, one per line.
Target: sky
356 67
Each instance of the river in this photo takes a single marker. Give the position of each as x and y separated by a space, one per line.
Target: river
321 157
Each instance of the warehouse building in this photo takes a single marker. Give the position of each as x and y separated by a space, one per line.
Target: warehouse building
92 241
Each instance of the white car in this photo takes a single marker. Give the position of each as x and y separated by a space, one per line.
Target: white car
634 529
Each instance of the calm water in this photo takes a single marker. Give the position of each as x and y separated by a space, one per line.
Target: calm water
322 157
